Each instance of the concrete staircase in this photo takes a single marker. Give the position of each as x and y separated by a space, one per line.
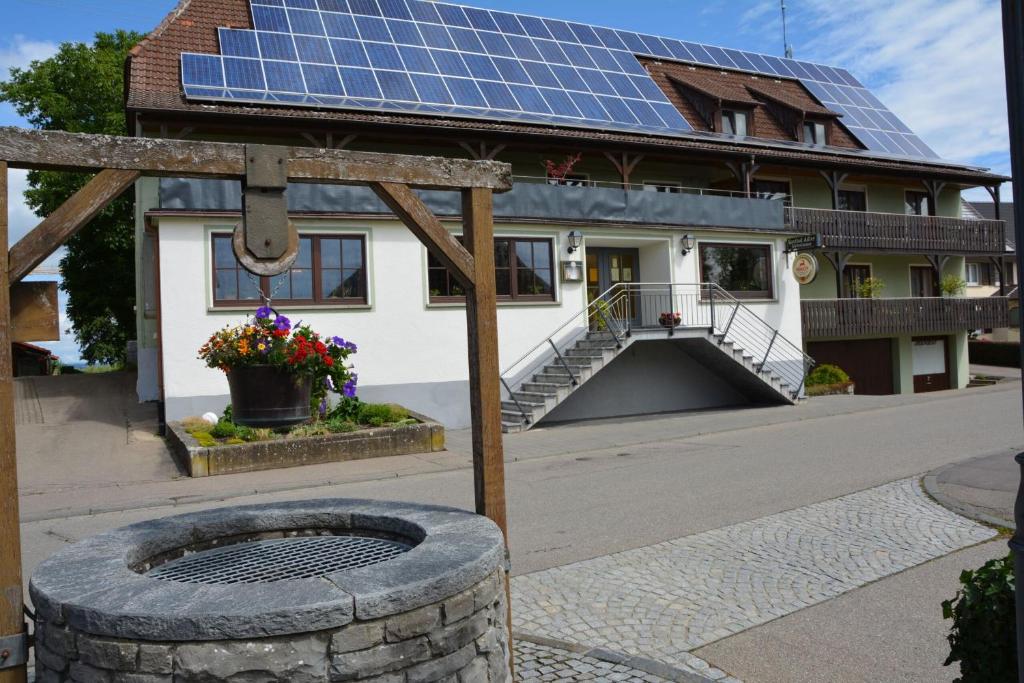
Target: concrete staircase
559 377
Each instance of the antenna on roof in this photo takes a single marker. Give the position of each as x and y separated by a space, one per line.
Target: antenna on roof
785 40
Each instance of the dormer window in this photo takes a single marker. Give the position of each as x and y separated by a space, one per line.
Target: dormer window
735 122
814 133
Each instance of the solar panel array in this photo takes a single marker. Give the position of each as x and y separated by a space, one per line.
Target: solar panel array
434 58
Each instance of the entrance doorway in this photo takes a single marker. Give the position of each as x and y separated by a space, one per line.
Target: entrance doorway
606 267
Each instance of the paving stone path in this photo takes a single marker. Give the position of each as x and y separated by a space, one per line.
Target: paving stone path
536 662
662 601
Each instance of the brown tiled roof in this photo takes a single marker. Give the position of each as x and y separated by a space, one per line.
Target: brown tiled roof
154 90
735 87
789 94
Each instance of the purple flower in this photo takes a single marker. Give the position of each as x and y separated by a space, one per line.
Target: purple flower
349 389
282 323
263 312
323 407
338 341
351 347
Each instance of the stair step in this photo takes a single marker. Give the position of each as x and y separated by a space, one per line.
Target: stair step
557 380
587 353
531 397
545 388
596 344
526 405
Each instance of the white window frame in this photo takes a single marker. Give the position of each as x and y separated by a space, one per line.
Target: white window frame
976 280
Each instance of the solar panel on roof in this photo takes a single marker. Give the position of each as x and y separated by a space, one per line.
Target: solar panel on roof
418 56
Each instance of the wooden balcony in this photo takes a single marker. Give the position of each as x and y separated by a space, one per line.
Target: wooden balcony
825 318
864 231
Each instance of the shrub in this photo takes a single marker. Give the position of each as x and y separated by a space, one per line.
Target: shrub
869 288
225 429
952 285
380 414
983 636
827 374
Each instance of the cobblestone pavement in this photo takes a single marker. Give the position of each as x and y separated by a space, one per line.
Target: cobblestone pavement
662 601
536 662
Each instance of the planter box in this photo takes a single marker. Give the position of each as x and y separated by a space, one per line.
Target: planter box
379 442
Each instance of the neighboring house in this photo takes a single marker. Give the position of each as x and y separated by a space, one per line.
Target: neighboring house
995 276
31 360
696 164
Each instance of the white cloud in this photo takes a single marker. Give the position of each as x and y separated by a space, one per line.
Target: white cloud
938 64
19 51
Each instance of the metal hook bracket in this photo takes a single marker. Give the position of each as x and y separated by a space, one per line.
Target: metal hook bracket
265 243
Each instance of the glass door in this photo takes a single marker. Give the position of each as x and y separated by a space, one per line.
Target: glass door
607 267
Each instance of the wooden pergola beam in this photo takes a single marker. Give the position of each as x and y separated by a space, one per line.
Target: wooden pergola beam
53 150
68 219
122 160
416 216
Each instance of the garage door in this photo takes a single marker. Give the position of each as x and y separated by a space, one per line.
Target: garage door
868 362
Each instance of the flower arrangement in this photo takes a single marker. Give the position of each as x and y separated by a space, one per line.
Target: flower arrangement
558 171
298 350
670 319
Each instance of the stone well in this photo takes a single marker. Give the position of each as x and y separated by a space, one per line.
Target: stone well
325 590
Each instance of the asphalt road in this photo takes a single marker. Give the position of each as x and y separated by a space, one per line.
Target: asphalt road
577 504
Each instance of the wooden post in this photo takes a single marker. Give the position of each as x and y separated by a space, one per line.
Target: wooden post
485 373
12 621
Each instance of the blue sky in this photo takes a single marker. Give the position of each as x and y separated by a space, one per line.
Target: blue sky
936 63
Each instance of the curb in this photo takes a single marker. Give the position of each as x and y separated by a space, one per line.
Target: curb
644 664
930 483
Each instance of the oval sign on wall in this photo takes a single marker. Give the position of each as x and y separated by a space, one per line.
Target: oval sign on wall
805 268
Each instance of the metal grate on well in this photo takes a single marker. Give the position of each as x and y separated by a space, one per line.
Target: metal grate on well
279 559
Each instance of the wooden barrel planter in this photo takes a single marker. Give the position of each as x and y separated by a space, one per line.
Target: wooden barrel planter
266 396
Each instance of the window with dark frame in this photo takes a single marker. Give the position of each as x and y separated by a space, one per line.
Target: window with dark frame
524 270
743 270
329 270
735 122
772 189
853 200
916 203
815 133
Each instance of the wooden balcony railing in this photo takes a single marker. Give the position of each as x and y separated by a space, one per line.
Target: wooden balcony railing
860 317
861 230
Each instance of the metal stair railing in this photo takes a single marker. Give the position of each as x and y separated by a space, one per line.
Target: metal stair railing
609 312
771 350
707 306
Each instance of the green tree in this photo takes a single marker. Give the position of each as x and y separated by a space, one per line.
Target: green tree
80 89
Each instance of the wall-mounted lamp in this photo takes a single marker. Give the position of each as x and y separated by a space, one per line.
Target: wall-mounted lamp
687 243
575 238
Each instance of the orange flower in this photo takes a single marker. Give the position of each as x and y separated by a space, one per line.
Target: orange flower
243 347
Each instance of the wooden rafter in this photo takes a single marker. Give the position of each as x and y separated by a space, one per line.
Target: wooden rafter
834 179
624 163
480 151
68 219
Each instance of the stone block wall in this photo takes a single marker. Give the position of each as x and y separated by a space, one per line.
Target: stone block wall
462 639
